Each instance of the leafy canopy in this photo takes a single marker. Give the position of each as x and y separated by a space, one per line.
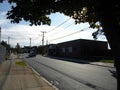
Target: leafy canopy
37 11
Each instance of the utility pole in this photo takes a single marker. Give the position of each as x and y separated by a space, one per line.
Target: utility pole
8 40
46 42
43 37
30 42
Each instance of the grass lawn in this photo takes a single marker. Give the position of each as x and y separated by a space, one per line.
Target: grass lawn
107 61
21 63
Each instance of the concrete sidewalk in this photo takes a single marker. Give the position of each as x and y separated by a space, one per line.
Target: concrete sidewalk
17 77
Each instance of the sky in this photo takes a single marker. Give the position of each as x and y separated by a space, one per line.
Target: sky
62 29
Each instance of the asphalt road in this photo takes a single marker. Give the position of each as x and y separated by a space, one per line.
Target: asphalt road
73 76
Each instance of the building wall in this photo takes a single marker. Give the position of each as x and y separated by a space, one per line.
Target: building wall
69 49
81 48
93 48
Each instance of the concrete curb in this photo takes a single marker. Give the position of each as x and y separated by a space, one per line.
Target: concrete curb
34 71
54 87
43 78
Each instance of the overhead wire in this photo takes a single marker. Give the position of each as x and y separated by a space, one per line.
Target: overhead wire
61 30
60 24
64 29
69 34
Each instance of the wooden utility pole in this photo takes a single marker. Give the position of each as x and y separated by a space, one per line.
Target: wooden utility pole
43 37
8 40
30 42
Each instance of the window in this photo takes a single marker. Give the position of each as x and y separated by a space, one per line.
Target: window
63 50
70 49
75 49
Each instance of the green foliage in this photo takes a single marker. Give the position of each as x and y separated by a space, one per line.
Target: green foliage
5 45
37 11
107 61
17 48
21 63
7 49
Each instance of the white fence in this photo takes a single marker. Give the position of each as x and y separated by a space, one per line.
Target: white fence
2 53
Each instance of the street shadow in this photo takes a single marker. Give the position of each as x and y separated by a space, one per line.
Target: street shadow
69 60
114 74
30 56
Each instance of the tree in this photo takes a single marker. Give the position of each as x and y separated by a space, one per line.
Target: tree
6 45
17 47
37 12
8 49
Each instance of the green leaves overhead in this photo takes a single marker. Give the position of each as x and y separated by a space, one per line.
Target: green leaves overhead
37 11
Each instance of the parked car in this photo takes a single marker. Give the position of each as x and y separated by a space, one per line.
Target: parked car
32 54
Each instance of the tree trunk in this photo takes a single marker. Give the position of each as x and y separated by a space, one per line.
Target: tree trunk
108 14
112 31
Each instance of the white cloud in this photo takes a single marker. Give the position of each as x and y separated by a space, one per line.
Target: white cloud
3 22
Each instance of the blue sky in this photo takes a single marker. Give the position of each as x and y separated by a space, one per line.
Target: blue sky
22 32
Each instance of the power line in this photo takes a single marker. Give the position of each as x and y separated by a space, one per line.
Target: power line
69 34
59 25
54 29
61 30
64 29
68 25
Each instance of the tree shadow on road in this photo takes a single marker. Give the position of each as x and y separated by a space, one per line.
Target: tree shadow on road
114 74
69 59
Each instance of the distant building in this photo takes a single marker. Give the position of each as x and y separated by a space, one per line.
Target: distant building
27 49
80 48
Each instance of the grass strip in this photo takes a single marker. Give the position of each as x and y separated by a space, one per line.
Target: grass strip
107 61
21 63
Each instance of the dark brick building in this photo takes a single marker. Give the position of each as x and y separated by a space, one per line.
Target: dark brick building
80 48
